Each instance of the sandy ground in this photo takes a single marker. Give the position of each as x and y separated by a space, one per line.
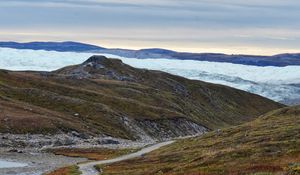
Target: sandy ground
38 163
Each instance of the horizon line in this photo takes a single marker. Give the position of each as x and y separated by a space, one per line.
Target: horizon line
144 48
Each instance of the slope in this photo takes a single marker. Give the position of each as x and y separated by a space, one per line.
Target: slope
266 146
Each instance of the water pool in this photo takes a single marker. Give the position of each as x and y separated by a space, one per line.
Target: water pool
9 164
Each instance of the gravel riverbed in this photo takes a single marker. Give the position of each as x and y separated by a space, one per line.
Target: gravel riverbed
37 163
33 150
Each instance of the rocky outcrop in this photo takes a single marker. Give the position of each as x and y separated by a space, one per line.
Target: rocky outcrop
171 128
97 67
163 129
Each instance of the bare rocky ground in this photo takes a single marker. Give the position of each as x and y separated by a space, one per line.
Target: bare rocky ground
37 163
38 142
34 150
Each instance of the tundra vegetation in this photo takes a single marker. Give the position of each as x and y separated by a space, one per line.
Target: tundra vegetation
268 145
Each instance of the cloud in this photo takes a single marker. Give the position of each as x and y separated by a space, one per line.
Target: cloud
215 22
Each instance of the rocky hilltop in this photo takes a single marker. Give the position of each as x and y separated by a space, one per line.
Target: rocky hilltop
105 97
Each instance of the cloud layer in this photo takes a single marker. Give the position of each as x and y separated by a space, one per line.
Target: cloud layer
231 26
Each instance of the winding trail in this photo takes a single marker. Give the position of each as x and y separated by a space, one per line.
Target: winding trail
88 168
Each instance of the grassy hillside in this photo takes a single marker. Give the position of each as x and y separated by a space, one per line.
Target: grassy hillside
266 146
101 95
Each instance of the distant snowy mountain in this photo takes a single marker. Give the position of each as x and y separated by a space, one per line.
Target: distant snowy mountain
276 60
277 83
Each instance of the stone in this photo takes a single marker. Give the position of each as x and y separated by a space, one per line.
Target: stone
108 141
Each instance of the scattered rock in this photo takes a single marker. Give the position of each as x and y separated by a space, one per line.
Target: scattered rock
15 151
108 141
75 134
58 143
12 172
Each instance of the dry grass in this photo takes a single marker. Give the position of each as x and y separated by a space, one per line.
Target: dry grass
266 146
92 153
70 170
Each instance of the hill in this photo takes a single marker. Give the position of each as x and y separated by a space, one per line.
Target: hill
107 97
267 146
283 86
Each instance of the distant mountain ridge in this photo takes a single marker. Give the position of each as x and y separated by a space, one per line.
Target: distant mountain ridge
69 46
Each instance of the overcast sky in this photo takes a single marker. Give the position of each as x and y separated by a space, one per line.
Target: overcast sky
229 26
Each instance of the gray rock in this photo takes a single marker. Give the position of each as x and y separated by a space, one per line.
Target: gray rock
108 141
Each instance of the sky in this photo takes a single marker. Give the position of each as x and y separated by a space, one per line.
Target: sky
264 27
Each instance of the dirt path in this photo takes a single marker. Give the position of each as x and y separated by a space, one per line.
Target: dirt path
88 168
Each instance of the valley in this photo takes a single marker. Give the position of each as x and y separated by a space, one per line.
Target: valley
160 87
